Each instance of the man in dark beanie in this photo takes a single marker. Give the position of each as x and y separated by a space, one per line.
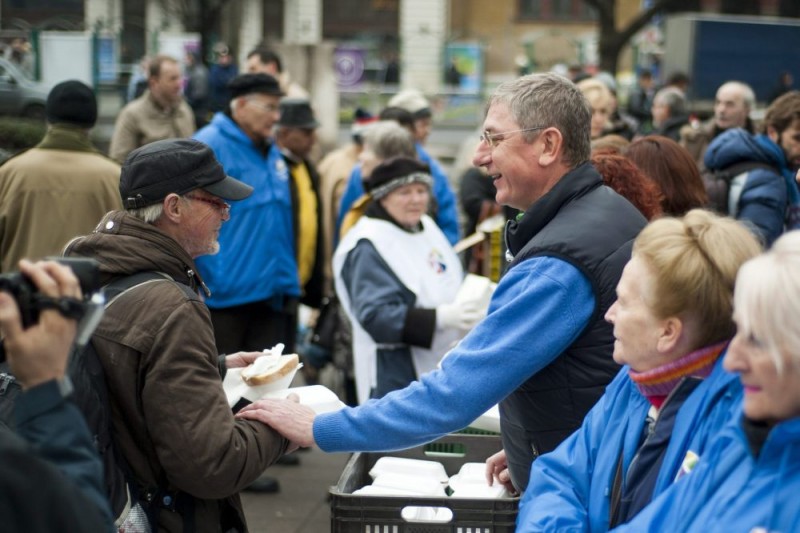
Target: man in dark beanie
254 279
61 187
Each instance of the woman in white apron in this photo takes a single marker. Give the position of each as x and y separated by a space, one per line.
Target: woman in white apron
397 277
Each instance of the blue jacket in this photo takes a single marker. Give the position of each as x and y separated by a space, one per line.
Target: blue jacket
731 489
766 193
446 215
570 487
257 259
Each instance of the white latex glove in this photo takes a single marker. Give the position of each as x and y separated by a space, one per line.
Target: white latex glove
460 315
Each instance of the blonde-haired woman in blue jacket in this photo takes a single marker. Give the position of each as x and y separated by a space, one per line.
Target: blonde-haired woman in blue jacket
750 478
672 324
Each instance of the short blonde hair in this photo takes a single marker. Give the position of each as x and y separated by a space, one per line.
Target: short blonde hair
694 260
767 299
596 92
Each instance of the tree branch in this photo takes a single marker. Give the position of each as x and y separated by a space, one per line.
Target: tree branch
643 19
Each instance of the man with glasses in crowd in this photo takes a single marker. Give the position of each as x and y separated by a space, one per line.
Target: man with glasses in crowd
254 280
188 456
544 350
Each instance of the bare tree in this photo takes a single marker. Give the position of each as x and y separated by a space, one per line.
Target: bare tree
612 39
202 16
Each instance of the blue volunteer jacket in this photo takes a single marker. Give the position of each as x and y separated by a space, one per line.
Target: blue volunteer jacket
446 214
731 489
257 259
765 193
570 487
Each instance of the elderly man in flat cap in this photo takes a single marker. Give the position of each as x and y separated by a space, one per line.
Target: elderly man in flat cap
254 279
188 456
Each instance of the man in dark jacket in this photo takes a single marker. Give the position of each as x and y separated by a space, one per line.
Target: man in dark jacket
766 195
544 350
60 188
171 419
51 478
670 113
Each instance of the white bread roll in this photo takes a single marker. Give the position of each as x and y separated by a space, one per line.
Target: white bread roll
267 369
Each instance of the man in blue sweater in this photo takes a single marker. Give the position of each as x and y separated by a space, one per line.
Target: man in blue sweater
544 350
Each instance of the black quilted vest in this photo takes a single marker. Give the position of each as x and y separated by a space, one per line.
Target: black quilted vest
588 225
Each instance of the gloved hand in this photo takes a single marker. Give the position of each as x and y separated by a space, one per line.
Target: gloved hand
460 315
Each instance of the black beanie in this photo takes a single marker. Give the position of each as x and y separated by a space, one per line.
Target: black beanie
71 102
396 172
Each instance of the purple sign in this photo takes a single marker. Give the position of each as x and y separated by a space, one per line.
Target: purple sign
348 63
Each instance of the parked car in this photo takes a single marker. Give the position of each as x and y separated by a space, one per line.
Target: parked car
19 95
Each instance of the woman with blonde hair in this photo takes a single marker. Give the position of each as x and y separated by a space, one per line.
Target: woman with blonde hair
672 323
750 477
601 102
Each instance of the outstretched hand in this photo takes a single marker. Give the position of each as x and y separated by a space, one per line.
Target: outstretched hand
289 418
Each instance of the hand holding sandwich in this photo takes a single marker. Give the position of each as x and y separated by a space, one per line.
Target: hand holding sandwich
241 359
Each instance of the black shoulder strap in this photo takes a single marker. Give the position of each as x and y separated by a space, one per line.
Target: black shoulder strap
119 286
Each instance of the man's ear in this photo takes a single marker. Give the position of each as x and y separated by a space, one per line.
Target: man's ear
773 135
552 141
174 208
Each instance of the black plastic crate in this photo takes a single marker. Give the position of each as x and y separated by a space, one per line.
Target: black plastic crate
382 514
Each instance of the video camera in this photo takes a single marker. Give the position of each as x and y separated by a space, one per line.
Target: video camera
31 302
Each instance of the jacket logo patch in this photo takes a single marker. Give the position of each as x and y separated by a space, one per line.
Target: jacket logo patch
436 261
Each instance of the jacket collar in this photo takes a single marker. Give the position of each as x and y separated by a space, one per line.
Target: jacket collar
125 245
66 137
573 184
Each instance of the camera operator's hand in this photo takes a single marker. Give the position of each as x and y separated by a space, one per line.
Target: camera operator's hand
39 353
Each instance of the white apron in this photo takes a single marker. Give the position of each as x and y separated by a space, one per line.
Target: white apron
426 264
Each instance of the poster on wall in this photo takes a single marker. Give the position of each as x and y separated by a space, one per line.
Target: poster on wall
105 52
463 67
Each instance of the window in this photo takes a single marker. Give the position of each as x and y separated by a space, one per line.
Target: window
555 11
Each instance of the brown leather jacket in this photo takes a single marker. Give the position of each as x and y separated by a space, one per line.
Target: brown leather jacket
157 339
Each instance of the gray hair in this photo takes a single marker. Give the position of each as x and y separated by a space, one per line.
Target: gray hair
744 90
674 99
148 214
387 138
767 299
234 102
549 100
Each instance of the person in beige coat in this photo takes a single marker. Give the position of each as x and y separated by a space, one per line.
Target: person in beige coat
160 113
60 188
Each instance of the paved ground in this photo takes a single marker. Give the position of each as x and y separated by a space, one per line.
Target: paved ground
302 504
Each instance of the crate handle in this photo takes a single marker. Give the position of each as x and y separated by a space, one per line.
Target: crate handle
445 449
426 515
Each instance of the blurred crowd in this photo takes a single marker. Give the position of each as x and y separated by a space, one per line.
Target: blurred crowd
618 280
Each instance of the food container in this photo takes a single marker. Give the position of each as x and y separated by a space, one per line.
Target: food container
359 513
